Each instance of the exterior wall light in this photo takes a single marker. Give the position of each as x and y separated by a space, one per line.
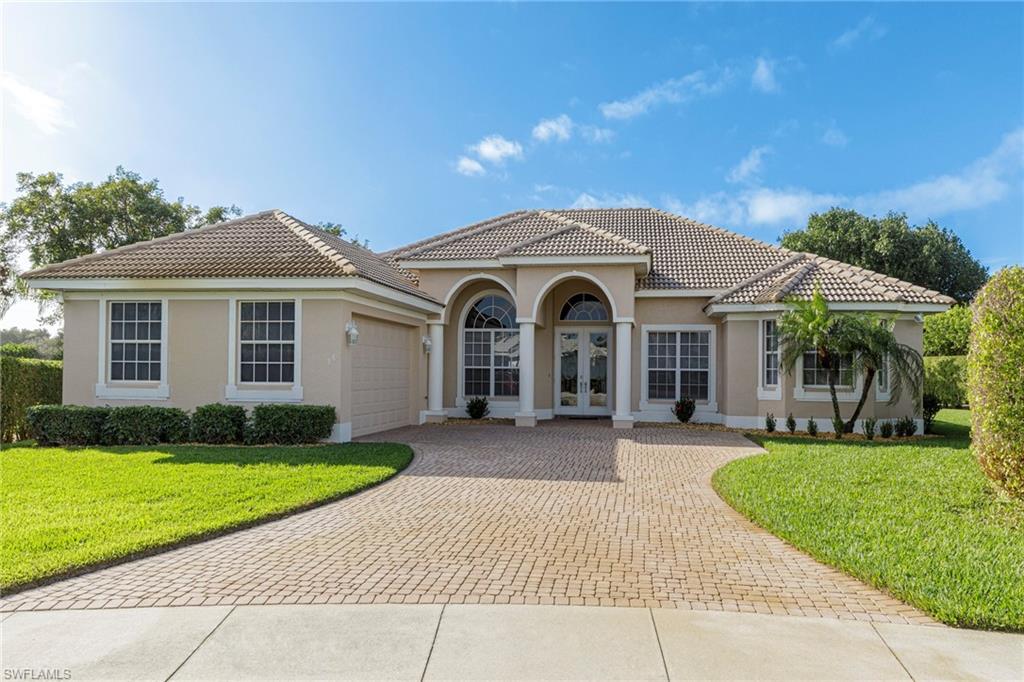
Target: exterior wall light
352 332
427 344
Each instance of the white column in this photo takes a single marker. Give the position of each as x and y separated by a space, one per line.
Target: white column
435 372
623 417
526 416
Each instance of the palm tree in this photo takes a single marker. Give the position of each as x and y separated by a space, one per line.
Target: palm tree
865 340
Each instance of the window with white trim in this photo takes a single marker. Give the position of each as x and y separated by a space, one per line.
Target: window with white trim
266 332
882 377
135 340
816 376
770 341
678 365
583 308
490 351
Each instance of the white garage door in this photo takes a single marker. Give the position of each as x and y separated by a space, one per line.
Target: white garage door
380 376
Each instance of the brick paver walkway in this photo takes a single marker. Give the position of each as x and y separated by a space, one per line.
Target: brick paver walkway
567 513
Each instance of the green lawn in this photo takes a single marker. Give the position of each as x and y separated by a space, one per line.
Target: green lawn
918 519
62 509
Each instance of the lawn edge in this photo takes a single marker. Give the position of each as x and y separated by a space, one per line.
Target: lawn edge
85 569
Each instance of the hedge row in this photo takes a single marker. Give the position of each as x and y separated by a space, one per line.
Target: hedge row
147 425
945 377
25 382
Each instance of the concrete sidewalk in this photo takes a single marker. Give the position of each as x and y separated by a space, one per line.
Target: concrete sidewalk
487 642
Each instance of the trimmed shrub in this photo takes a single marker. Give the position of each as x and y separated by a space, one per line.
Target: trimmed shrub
66 424
948 333
869 425
995 379
145 425
19 350
477 408
930 405
906 427
791 423
286 424
25 382
838 427
769 422
812 428
217 424
886 429
946 378
683 409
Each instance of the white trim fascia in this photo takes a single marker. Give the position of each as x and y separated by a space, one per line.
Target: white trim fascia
261 393
723 309
709 406
128 390
678 293
644 261
463 264
764 392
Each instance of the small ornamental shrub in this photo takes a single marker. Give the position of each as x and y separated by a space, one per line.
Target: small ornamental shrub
995 379
477 408
683 409
285 424
791 423
25 382
145 425
838 426
812 428
946 379
906 427
66 424
769 422
930 408
218 424
886 429
19 350
869 425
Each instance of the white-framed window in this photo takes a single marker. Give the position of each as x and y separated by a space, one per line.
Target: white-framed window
583 308
678 362
814 375
770 350
266 332
490 349
883 390
132 348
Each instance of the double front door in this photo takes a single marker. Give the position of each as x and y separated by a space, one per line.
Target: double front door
581 356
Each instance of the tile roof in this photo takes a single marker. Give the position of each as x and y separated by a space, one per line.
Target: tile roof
575 238
267 244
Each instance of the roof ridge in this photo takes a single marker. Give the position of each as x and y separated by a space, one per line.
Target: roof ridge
757 277
304 232
53 267
565 226
601 232
791 281
449 237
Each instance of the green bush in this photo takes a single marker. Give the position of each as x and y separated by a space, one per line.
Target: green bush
812 428
216 423
19 350
948 333
886 429
945 377
906 427
995 379
838 427
683 409
931 408
769 422
66 424
791 423
285 424
869 426
477 408
145 425
25 382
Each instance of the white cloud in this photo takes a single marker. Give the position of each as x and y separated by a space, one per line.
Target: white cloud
834 137
609 200
866 29
47 113
468 166
559 128
597 135
675 90
749 166
495 149
763 77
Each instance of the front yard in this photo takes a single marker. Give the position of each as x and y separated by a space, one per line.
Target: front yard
63 509
918 519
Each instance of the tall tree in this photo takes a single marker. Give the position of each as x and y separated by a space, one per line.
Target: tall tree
54 221
929 255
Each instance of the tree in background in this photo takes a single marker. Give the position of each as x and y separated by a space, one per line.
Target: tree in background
54 222
928 255
338 231
948 333
46 346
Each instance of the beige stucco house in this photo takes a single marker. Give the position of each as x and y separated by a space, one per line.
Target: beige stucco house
606 313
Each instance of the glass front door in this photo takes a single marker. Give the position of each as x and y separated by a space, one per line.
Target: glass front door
582 356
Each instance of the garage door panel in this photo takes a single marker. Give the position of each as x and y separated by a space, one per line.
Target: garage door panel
381 376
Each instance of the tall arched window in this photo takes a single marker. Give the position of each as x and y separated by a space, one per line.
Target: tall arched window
584 308
490 351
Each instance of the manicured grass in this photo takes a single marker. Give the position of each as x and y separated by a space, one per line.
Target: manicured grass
917 519
63 509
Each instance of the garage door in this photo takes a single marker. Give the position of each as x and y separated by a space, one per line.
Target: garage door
380 376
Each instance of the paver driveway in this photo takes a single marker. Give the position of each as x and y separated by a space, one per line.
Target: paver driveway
568 513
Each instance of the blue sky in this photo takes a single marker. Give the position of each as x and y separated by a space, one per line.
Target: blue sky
401 121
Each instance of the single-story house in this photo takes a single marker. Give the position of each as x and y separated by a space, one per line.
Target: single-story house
587 312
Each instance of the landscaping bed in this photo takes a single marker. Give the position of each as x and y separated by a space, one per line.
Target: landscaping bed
65 509
915 518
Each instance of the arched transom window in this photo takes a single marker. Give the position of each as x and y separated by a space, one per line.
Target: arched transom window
490 354
584 308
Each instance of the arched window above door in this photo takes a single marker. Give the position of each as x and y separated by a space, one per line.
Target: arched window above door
490 348
492 312
583 308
